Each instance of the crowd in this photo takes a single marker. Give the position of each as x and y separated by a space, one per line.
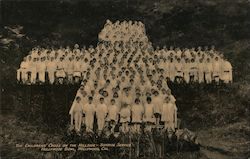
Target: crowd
123 79
123 31
71 66
54 65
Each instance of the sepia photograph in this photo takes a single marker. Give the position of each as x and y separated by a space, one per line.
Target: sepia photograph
125 79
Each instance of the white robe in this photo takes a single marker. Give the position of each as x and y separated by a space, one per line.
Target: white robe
216 69
201 68
76 112
157 102
89 111
101 113
169 115
125 113
226 72
22 72
41 68
149 113
137 112
113 111
208 69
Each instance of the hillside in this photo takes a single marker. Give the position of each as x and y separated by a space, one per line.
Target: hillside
220 114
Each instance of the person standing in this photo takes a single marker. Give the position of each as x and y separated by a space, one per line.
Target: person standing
70 69
226 72
112 117
77 70
41 69
89 112
208 69
76 114
22 75
148 116
33 71
125 114
157 102
60 73
168 114
137 111
51 69
216 70
201 71
101 114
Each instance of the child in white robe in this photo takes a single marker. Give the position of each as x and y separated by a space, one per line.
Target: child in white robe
33 70
51 69
125 114
22 71
193 71
208 69
201 71
137 111
101 114
148 116
89 111
84 100
168 115
70 69
178 70
216 70
60 73
41 69
76 114
172 70
112 117
226 72
77 69
186 71
157 102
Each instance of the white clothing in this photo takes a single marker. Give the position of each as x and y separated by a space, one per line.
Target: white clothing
137 112
113 111
89 111
101 113
125 114
149 113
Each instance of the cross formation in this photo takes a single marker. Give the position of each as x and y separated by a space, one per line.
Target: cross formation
124 79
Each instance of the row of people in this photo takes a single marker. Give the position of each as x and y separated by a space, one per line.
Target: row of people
111 115
124 47
69 66
122 81
123 31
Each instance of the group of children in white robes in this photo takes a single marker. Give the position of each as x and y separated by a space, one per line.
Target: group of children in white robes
189 65
129 117
124 44
124 80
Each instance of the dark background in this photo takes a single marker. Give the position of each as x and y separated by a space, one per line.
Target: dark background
180 23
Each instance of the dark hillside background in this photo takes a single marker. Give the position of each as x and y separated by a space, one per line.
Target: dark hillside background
181 23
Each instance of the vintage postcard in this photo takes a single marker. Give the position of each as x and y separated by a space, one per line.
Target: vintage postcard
125 79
